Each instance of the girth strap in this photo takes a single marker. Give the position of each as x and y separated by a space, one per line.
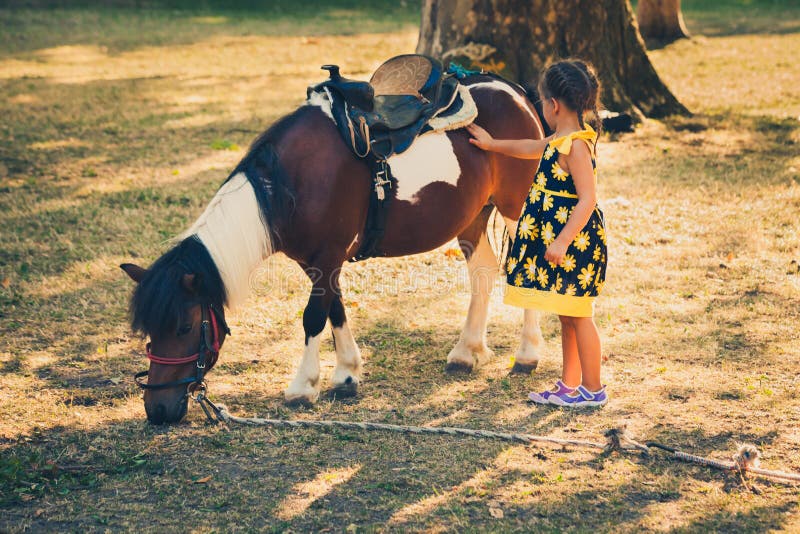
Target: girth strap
380 200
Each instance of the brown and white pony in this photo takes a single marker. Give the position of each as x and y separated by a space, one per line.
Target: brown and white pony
300 191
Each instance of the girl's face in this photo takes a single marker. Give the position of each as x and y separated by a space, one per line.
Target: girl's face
550 108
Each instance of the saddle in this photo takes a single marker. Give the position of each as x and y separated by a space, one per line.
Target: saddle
407 96
385 115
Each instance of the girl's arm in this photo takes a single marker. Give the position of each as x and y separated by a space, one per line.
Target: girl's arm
518 148
579 161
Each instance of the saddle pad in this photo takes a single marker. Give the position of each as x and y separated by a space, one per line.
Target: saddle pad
403 75
455 116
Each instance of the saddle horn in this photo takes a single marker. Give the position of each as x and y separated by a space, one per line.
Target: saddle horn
333 71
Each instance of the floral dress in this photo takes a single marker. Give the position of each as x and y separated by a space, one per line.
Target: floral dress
569 288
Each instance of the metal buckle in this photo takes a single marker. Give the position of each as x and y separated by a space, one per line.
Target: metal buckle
382 180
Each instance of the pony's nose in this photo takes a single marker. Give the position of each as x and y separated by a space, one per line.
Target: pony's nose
157 416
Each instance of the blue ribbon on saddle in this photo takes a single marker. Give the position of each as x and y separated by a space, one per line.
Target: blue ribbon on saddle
459 71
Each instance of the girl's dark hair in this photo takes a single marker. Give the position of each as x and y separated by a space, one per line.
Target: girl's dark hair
575 83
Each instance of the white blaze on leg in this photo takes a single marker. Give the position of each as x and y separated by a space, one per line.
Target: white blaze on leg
304 387
482 266
532 342
348 357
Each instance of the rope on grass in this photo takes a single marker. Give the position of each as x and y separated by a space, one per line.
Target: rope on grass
406 429
746 459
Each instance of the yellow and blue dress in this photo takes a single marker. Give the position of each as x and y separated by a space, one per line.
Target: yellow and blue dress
570 288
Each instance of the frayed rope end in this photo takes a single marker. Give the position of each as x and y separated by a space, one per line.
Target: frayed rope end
747 456
620 438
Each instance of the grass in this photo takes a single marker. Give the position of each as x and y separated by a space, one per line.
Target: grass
114 141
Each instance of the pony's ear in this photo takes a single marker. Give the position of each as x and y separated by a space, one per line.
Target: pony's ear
189 283
134 271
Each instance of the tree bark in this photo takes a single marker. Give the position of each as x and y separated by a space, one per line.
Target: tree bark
661 20
517 38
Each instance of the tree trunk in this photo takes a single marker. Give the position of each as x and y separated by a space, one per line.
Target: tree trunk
661 20
517 38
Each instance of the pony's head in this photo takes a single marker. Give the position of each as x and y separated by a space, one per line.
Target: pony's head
178 303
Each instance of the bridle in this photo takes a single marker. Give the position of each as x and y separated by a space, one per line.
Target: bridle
206 356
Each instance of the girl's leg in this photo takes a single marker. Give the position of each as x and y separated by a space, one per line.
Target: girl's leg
589 351
571 371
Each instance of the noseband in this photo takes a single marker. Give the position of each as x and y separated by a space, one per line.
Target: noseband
206 355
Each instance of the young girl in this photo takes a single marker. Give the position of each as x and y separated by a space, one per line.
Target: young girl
558 260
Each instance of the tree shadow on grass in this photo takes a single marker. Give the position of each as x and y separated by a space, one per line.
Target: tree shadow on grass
756 520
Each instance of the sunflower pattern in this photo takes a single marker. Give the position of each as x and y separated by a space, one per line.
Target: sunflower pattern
533 282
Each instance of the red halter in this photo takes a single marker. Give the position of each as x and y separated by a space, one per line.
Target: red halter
213 350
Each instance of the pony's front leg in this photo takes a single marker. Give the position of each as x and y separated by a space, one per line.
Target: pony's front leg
347 374
471 347
304 389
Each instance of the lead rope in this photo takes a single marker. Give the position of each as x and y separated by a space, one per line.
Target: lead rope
746 459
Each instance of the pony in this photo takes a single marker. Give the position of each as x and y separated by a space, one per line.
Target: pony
300 191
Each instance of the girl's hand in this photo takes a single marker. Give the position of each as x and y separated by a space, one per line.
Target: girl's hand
480 137
555 252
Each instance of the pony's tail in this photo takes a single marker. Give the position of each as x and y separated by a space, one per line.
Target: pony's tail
533 95
501 249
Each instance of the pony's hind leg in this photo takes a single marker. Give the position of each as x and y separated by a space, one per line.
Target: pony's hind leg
471 347
532 342
347 374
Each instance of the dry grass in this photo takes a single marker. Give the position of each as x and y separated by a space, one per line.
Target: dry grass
109 148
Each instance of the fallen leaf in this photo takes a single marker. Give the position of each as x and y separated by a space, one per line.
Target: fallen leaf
116 380
729 257
203 480
497 513
6 283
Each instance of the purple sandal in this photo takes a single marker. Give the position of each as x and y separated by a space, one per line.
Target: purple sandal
543 397
580 398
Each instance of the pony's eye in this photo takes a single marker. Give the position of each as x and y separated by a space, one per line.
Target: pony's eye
184 329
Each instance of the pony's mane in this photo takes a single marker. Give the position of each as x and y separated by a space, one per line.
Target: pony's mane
263 170
159 299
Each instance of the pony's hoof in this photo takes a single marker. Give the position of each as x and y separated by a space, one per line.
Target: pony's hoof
345 390
298 402
300 398
460 368
523 368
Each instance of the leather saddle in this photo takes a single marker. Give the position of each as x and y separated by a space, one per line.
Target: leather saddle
383 116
